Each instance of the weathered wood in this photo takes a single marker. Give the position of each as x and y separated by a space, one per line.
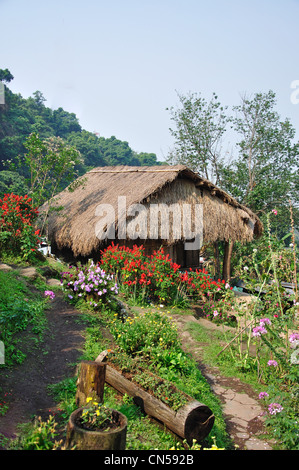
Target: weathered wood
192 421
91 382
82 439
228 251
102 357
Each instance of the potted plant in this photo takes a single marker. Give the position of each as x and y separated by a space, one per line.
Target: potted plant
96 427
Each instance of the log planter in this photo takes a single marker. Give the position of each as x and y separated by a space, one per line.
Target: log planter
80 438
193 420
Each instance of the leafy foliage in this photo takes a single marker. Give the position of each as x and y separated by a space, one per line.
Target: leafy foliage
17 232
21 117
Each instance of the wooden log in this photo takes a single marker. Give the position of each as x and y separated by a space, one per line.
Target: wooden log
79 438
192 421
91 382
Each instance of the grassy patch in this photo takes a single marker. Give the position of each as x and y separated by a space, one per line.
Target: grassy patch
214 341
20 310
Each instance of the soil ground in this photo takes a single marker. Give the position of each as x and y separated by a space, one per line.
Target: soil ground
46 364
56 360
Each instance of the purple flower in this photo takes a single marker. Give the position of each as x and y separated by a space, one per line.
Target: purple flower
294 337
258 331
263 395
265 321
274 408
70 296
272 363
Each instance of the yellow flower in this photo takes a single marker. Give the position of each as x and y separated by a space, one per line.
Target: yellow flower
88 399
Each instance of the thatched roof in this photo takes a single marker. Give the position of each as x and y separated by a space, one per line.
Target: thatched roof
74 227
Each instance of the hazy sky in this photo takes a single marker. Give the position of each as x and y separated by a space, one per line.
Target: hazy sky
117 64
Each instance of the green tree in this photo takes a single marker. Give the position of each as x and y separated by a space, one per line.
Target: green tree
200 126
147 159
117 152
52 163
5 76
88 145
264 176
64 123
12 182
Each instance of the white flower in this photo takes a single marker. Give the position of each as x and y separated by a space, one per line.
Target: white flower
245 268
295 357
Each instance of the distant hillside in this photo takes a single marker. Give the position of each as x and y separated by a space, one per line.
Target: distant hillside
20 117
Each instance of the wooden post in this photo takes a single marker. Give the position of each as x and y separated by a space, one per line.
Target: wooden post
216 260
228 250
90 382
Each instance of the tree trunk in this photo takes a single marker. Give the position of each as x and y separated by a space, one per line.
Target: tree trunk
192 421
90 382
228 250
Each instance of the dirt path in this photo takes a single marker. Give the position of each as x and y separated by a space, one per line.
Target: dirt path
56 359
46 364
241 409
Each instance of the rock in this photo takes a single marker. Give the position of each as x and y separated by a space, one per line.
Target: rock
53 282
29 272
5 267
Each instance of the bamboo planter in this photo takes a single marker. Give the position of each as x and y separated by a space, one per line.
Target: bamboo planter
80 438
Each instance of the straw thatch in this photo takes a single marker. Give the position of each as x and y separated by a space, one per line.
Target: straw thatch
75 226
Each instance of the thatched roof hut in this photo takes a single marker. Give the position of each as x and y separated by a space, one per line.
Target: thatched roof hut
74 228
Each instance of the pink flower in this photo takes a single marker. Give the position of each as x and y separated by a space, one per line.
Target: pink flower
294 337
274 408
258 331
263 395
265 321
274 211
49 293
272 363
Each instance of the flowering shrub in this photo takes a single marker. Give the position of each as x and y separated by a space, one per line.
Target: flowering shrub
153 277
114 257
157 278
216 297
96 416
90 283
17 234
144 332
164 274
